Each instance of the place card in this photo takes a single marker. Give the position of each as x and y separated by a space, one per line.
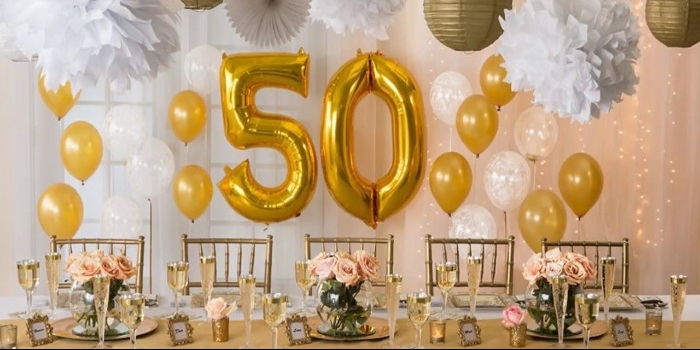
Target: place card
39 330
180 330
469 331
621 331
298 330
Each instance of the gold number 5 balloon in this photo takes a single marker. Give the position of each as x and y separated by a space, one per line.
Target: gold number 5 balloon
241 76
369 201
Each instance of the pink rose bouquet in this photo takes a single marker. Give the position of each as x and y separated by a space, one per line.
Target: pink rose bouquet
513 315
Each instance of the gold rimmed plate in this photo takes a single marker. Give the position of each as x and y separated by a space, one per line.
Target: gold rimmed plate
64 328
380 325
598 329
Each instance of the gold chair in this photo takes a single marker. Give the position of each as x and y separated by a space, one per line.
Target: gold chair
381 248
595 250
225 245
499 271
133 248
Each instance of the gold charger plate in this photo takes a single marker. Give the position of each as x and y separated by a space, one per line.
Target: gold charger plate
64 328
381 326
598 329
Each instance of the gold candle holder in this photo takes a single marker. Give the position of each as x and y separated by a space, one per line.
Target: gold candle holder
437 331
219 329
517 336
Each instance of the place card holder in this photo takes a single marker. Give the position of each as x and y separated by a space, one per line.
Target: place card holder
180 330
469 331
621 331
39 330
298 330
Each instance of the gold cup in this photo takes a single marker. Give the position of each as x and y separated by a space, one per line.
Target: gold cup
437 331
219 329
517 336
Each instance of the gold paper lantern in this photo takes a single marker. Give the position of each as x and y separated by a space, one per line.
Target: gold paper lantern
675 23
201 5
465 25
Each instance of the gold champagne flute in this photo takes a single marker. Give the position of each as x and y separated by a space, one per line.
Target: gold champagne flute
586 314
678 289
608 279
53 265
247 285
305 280
100 292
473 281
418 305
393 294
207 271
560 293
178 279
131 309
28 276
446 279
274 312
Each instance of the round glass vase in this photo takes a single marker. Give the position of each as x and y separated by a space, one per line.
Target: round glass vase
80 300
344 310
539 301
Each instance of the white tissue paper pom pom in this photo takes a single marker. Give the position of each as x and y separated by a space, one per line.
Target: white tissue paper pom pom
343 16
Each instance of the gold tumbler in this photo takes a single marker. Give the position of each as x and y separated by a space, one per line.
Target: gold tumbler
517 336
219 329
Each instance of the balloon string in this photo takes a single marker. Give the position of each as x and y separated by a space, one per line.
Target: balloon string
187 152
150 246
505 224
534 175
450 138
578 223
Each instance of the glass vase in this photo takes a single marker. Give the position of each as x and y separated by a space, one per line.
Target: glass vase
80 299
539 300
344 310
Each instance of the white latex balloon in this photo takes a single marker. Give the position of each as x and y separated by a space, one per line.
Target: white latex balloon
476 222
507 179
535 133
121 217
202 68
448 91
151 168
124 129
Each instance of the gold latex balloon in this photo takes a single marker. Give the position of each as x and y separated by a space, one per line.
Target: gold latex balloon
373 202
477 123
450 181
491 78
242 75
61 101
60 211
192 191
187 115
81 149
541 215
580 182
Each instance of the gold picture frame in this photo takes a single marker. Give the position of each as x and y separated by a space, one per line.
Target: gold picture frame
180 330
469 331
621 331
39 330
298 330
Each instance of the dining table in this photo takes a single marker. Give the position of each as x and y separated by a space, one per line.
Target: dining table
493 334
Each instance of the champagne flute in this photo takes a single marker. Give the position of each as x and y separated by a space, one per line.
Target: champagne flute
608 279
131 309
446 279
393 292
247 285
28 276
560 293
100 292
207 271
586 314
473 281
678 288
418 305
305 280
53 264
274 312
178 279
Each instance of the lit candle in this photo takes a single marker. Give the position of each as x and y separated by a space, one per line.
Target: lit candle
437 331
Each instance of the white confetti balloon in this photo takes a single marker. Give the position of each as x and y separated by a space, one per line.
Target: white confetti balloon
507 179
150 170
124 129
535 133
448 91
476 222
121 217
202 68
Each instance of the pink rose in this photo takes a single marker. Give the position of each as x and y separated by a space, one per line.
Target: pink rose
313 265
87 267
588 266
513 315
346 270
533 268
369 266
218 309
574 271
325 268
110 267
553 255
553 268
125 266
72 261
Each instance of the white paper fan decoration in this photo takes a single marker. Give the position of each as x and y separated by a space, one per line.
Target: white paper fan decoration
267 22
371 16
82 40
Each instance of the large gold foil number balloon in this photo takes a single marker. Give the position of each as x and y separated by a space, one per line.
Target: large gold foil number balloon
580 182
450 181
541 215
81 149
60 211
373 202
59 101
242 75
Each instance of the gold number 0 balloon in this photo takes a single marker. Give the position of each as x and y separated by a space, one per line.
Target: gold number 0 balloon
369 201
242 75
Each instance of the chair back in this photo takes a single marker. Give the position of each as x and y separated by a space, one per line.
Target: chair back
381 248
132 248
594 250
497 264
241 256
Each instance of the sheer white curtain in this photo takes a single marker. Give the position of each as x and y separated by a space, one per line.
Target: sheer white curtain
647 148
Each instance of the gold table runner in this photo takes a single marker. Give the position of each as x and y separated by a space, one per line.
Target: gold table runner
492 334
